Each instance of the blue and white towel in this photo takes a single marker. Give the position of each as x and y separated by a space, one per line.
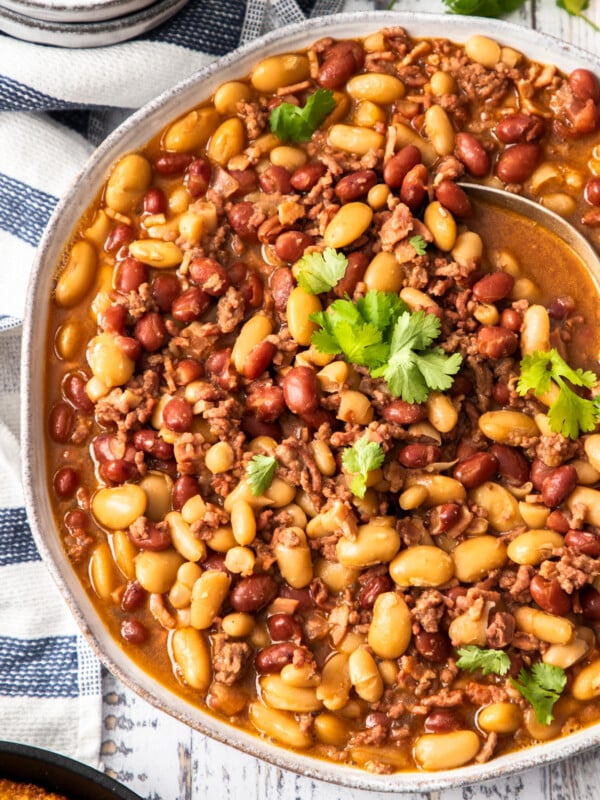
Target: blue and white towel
56 105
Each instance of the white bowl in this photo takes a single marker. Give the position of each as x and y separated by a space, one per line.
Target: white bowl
132 134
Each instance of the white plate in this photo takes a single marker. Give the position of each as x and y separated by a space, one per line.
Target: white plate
87 34
75 10
133 134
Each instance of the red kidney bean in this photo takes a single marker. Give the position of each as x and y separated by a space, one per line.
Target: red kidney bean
586 542
265 401
301 390
258 360
290 245
414 187
512 465
152 536
133 596
172 163
218 361
584 116
178 415
148 441
520 128
210 276
197 177
377 719
155 201
118 471
591 193
402 413
190 305
61 422
120 235
444 517
65 482
442 720
74 389
557 521
559 485
517 163
188 370
511 319
584 85
274 657
301 596
254 427
77 519
539 472
372 589
108 447
561 307
493 287
453 198
130 275
275 179
165 290
433 647
589 597
252 290
476 469
549 595
283 627
494 341
397 167
355 185
247 180
355 270
305 177
281 283
150 331
501 393
129 346
184 487
462 384
114 319
469 150
342 60
134 631
244 220
417 455
253 593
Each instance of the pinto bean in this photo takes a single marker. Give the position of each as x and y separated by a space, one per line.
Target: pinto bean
476 469
253 593
493 287
549 596
511 464
558 485
397 167
301 390
472 154
519 127
453 198
517 163
494 341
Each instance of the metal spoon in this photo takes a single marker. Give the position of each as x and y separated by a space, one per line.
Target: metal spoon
548 220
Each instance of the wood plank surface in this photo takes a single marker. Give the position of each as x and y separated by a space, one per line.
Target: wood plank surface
162 759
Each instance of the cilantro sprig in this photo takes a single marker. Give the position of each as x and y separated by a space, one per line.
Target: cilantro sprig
490 662
320 272
542 687
294 124
419 244
381 333
260 472
363 457
569 413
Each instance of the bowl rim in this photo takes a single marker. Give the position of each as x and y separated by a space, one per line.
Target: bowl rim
154 115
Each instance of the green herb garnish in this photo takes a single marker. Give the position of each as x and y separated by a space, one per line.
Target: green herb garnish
483 8
294 124
569 413
490 662
541 687
320 272
260 472
360 459
574 9
419 244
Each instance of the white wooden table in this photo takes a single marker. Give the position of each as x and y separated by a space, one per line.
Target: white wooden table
161 759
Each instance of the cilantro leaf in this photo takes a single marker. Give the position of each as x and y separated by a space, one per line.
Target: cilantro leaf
260 472
574 8
360 459
569 413
381 309
490 662
291 123
320 272
412 371
541 687
419 244
483 8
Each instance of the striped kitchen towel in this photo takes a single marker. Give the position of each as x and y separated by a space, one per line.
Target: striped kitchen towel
56 105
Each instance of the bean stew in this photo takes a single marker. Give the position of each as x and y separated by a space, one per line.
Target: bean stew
323 437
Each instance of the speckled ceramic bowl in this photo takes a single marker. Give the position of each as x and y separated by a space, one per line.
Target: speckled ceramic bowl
134 133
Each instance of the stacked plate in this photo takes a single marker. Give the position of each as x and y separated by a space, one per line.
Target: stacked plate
83 23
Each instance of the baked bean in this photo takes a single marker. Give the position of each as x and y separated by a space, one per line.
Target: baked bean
439 130
442 225
191 653
500 717
516 163
300 306
378 87
474 558
493 341
440 751
421 565
279 725
127 183
549 595
384 273
364 675
483 50
472 154
390 629
350 222
252 334
77 276
547 627
589 500
476 469
453 198
356 185
534 546
352 139
502 425
376 542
